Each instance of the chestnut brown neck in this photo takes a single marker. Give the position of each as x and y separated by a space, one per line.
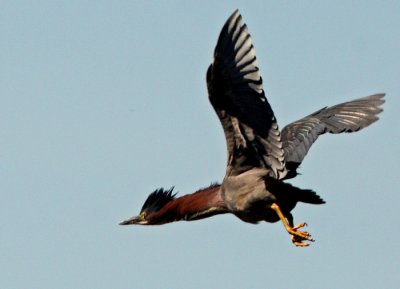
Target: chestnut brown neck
201 204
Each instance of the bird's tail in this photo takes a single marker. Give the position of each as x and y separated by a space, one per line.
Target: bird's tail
288 192
310 197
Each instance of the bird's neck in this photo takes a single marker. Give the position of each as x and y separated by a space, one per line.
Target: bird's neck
198 205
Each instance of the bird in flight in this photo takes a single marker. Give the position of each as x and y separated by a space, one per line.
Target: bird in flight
260 156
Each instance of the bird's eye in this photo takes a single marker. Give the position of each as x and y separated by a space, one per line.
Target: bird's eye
143 215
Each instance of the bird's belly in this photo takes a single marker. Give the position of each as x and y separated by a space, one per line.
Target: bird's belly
247 197
257 213
252 206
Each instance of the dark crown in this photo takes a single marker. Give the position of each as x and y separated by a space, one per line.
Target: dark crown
157 199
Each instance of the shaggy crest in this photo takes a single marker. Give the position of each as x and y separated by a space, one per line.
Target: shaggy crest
157 199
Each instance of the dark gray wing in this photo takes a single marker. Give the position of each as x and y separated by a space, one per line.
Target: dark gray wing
236 93
351 116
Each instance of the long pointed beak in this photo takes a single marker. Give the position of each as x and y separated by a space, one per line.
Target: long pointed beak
136 220
130 221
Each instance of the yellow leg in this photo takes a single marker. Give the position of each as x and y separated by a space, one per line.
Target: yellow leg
298 237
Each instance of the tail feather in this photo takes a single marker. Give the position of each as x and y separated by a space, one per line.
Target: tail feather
289 193
310 197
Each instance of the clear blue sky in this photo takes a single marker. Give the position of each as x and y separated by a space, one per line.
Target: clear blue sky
101 102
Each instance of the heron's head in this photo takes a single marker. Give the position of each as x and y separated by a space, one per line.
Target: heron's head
154 202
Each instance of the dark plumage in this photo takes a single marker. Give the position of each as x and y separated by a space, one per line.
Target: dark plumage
157 199
260 156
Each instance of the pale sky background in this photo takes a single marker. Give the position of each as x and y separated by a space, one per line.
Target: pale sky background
101 102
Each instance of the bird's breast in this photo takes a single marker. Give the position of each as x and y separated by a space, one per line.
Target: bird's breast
246 196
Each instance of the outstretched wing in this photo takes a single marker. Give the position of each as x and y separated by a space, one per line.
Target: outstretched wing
236 93
351 116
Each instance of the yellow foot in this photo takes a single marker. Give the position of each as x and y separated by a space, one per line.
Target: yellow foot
298 237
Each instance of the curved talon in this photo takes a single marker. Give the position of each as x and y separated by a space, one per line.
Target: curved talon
300 226
304 224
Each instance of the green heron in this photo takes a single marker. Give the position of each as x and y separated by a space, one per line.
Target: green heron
260 157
